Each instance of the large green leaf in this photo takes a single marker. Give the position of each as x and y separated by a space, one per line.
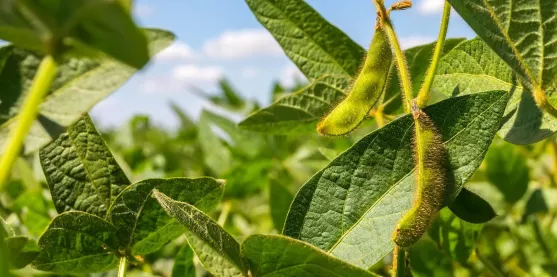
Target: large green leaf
217 250
143 225
81 172
522 33
455 236
312 43
183 263
351 207
56 26
78 242
279 256
300 111
471 67
79 85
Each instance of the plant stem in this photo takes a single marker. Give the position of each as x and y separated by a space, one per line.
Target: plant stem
399 262
30 109
423 95
402 66
122 268
224 213
489 265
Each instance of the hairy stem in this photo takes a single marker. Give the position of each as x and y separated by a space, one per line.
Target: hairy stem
30 109
402 65
399 262
423 95
543 103
122 267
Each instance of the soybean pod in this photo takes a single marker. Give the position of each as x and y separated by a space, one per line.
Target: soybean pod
366 89
431 180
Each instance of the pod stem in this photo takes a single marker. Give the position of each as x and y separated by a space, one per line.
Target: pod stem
122 267
41 83
402 65
399 262
423 94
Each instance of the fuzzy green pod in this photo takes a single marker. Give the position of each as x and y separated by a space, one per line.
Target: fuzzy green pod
431 181
366 89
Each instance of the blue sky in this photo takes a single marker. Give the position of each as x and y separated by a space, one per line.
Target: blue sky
221 38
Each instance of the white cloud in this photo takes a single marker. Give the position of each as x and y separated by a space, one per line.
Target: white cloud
180 78
408 42
197 74
242 43
249 72
142 10
290 74
176 51
431 6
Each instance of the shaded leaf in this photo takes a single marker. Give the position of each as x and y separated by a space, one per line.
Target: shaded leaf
273 255
279 203
471 67
471 207
455 236
506 168
78 242
351 207
217 250
183 263
78 86
313 44
81 172
58 25
143 225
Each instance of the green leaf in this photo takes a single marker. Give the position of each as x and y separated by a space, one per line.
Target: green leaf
522 33
217 250
79 85
351 207
215 154
143 225
61 25
471 207
80 170
183 263
22 251
78 242
279 203
455 236
300 111
33 210
313 44
471 67
506 168
279 256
